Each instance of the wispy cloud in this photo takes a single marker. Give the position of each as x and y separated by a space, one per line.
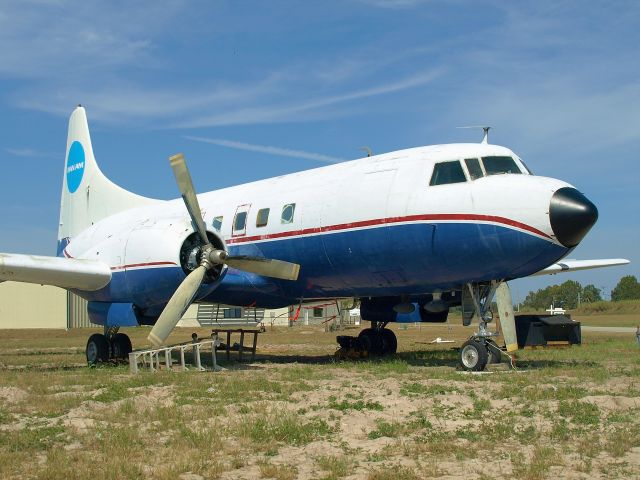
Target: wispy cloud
283 152
26 152
83 39
113 61
544 87
276 98
305 110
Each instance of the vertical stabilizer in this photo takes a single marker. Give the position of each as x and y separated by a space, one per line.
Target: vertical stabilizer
87 195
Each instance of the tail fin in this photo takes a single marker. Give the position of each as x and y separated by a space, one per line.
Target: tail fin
87 195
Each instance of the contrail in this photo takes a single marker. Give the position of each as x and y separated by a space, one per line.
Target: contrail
285 152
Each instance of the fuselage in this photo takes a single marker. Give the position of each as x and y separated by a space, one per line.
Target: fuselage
376 226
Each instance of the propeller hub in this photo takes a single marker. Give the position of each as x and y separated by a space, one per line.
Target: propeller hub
217 257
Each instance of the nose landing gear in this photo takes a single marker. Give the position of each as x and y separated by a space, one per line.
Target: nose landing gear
474 355
481 348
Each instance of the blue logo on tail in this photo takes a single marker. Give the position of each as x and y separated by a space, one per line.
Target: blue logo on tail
75 166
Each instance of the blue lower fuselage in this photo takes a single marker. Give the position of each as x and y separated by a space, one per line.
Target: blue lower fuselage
387 260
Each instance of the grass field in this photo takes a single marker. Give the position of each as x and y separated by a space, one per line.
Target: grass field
297 413
625 313
609 320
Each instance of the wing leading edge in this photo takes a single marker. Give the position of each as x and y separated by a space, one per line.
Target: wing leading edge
88 275
574 265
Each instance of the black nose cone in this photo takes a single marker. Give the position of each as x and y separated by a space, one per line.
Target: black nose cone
572 215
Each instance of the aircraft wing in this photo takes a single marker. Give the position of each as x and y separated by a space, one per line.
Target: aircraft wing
88 275
573 265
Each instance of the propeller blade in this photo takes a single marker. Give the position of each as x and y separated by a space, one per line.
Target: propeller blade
185 184
507 317
176 306
265 266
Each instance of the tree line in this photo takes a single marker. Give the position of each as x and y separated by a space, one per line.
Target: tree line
571 293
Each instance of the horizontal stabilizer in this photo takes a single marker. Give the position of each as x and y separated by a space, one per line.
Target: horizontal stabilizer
574 265
88 275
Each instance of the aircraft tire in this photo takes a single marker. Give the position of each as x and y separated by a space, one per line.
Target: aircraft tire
97 350
389 342
371 341
473 355
121 346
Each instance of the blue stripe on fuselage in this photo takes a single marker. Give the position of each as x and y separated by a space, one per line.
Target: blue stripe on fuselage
411 258
380 261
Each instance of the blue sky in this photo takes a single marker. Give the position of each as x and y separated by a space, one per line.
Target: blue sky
252 89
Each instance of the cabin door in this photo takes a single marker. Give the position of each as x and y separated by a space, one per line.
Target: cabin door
240 220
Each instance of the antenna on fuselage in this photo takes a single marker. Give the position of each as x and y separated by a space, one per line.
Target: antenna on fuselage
367 149
485 131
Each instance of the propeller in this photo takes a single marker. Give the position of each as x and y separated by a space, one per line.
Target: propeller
507 317
209 258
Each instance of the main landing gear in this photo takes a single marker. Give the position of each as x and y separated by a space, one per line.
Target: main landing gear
379 340
108 346
481 348
376 340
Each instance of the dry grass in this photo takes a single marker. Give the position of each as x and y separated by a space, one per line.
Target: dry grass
296 413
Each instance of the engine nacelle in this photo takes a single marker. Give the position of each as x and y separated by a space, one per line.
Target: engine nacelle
148 259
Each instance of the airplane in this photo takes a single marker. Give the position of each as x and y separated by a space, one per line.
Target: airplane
409 233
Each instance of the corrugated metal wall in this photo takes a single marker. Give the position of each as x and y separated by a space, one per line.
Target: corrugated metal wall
77 316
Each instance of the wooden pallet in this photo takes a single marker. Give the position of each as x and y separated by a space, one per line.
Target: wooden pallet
550 344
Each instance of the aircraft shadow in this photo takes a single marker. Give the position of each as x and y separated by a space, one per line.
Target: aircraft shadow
566 364
420 358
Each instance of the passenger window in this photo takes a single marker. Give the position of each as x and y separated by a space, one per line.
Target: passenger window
473 165
240 221
447 172
287 213
217 223
263 217
497 165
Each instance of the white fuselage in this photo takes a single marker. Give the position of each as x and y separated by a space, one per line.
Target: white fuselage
338 208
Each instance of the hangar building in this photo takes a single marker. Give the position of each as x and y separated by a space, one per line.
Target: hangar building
24 305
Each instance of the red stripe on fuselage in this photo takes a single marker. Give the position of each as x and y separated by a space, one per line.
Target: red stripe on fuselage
138 265
133 265
382 221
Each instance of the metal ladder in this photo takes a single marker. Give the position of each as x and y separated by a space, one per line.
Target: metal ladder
156 359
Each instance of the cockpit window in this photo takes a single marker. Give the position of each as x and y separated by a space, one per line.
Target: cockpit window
526 167
498 165
447 172
473 165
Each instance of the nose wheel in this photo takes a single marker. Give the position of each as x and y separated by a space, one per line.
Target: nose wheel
477 352
480 349
474 355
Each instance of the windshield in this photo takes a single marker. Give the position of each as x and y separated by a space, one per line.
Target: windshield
447 172
526 167
497 165
473 165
